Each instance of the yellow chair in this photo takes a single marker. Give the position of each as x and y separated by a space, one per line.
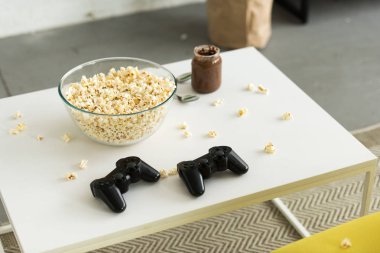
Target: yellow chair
361 235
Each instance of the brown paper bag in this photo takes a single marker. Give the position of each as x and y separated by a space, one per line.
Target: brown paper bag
239 23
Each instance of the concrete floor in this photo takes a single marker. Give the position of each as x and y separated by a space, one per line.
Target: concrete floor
335 58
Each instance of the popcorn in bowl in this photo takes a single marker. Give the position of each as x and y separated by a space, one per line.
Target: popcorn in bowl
122 107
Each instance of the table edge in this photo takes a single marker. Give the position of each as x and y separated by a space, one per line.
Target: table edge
217 209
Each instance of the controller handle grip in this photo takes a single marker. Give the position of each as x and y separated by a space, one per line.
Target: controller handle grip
192 177
106 190
236 164
148 173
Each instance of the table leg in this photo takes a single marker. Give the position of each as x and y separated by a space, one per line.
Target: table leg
3 230
7 228
1 248
367 191
297 225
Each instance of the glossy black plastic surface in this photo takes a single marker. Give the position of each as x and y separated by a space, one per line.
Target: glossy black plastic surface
219 158
111 187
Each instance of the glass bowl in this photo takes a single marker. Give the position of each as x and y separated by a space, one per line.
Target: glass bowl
116 129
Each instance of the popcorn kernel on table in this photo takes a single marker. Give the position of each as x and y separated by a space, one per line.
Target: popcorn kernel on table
261 89
170 172
14 131
217 102
39 138
173 172
250 87
66 137
163 173
242 112
187 134
212 133
83 164
346 243
183 125
17 115
18 129
287 116
269 148
71 176
21 127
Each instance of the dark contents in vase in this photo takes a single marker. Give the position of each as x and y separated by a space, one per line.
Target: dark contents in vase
207 51
206 69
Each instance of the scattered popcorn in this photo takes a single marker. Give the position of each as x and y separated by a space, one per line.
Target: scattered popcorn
83 164
14 131
346 243
212 133
261 89
250 87
183 125
21 127
163 173
287 116
217 102
18 129
167 173
39 137
17 115
242 112
269 148
71 176
173 172
66 137
187 134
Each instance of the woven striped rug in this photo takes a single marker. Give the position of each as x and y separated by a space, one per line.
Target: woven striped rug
260 227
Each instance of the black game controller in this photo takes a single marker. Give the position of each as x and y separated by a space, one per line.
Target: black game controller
128 170
218 158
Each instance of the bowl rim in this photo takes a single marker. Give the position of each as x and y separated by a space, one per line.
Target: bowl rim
107 59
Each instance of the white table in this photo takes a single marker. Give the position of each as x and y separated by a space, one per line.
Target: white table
49 214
